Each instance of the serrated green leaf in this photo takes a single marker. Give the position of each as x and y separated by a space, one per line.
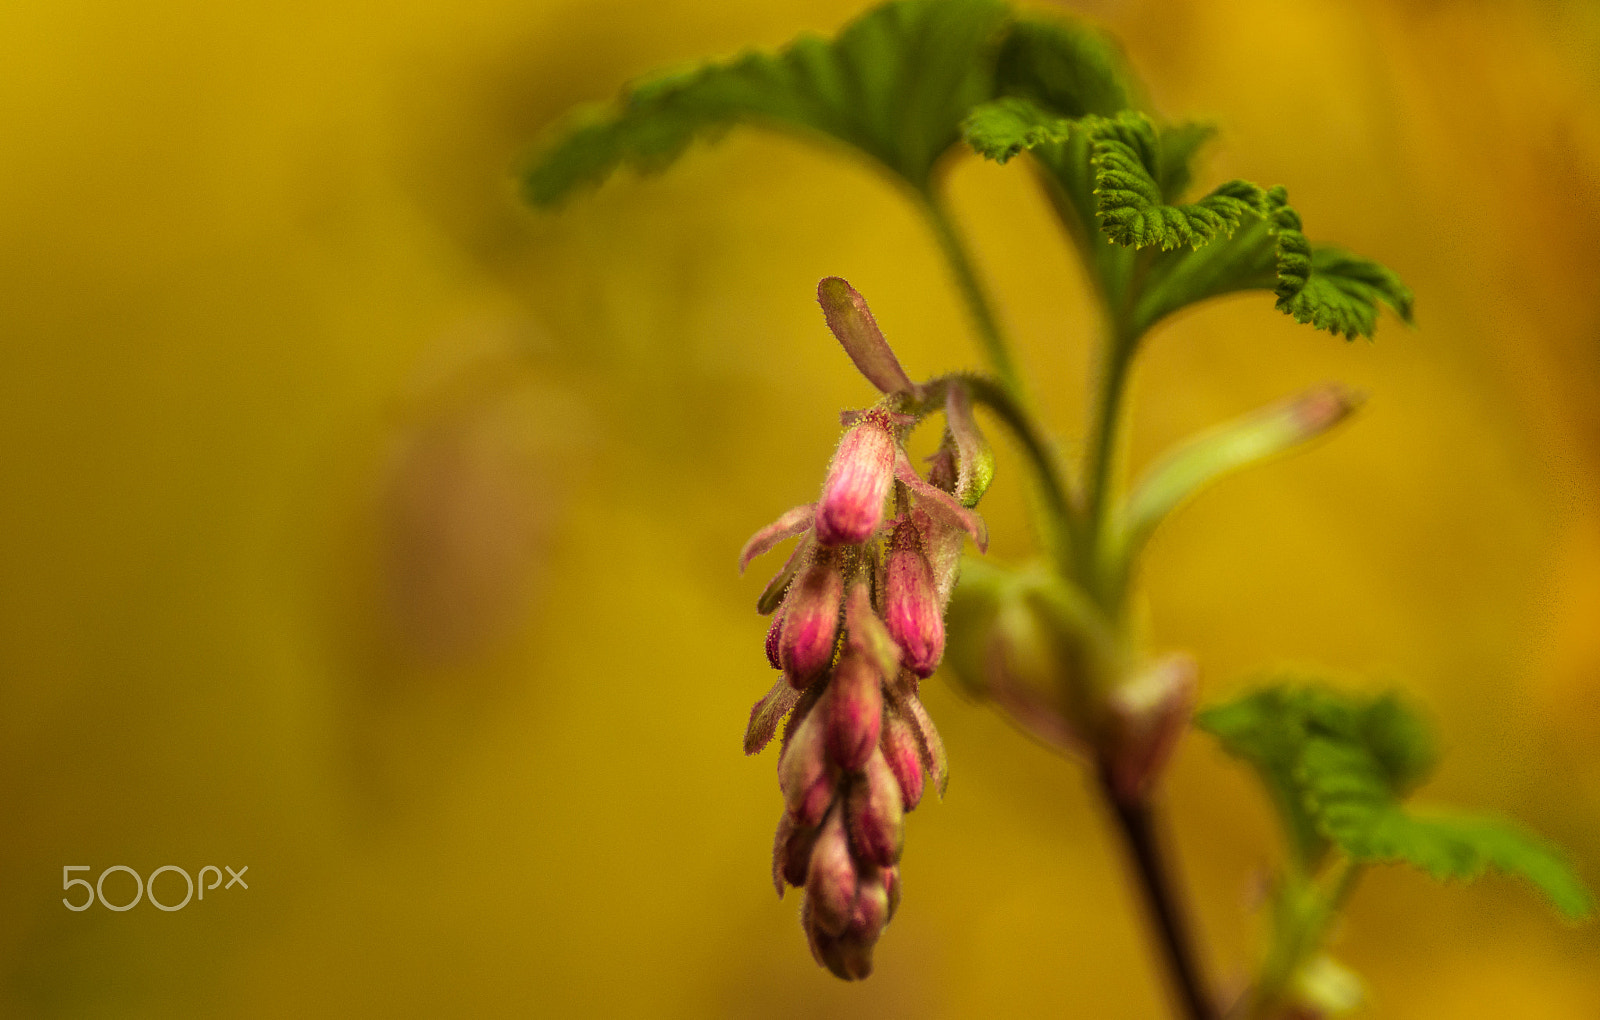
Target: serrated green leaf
1005 127
894 84
1129 166
1067 68
1326 287
1340 293
1267 729
1341 765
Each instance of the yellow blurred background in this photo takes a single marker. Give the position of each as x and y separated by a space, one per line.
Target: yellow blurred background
361 527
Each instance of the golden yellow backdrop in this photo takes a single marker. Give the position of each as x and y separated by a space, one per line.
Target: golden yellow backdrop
363 528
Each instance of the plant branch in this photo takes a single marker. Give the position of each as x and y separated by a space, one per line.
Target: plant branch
1137 823
995 345
1305 910
1100 455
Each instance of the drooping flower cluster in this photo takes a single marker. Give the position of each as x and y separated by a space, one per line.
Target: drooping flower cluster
858 621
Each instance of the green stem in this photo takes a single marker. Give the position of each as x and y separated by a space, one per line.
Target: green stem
995 345
1304 913
1099 469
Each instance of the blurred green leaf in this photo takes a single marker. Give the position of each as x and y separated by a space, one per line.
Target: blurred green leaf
894 84
1067 68
1198 462
1339 766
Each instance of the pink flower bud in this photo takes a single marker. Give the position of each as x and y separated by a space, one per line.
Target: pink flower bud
891 884
870 912
803 768
831 880
911 605
873 814
855 711
811 621
791 853
848 958
903 754
858 483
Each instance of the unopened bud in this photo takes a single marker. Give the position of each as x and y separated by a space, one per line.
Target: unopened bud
1147 716
791 853
891 884
803 768
811 621
867 633
873 814
852 322
846 957
855 711
974 459
858 483
911 605
903 754
870 912
831 880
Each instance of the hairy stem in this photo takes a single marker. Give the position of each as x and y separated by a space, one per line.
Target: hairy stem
995 345
1137 823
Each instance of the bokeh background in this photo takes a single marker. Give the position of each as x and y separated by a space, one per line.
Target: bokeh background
362 527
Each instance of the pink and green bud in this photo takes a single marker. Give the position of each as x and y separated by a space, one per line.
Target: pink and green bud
902 753
791 853
870 912
911 605
854 710
930 748
803 768
942 506
866 633
811 621
831 882
847 957
973 458
873 814
858 480
851 321
890 877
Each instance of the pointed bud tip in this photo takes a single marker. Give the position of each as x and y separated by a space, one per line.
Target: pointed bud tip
851 322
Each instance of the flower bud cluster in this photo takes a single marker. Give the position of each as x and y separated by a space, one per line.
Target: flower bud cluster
857 622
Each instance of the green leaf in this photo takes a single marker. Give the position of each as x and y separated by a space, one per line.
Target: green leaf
1339 767
1067 68
1341 293
894 84
1267 729
1001 129
1130 164
1198 462
1324 286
